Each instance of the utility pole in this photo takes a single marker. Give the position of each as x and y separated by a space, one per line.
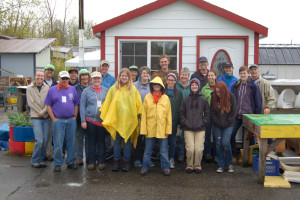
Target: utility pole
81 35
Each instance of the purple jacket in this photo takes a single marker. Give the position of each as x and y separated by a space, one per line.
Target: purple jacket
256 100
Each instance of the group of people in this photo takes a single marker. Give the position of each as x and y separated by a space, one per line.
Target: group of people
138 111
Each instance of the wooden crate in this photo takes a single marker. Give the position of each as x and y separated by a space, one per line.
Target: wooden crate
4 81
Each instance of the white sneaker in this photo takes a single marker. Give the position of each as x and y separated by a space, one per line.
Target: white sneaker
230 169
220 170
172 164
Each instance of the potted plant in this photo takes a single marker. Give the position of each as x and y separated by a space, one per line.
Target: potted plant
20 127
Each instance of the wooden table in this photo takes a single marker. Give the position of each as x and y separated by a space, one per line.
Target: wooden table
279 126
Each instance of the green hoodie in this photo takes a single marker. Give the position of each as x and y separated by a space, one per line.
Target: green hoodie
206 92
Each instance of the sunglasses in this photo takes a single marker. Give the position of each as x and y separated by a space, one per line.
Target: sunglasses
64 78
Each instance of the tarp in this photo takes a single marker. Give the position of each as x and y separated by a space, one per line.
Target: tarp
91 59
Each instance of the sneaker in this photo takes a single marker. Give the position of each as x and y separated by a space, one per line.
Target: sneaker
188 170
43 164
152 164
172 163
116 166
198 170
72 166
101 166
230 169
36 165
91 166
137 163
166 172
144 171
126 166
220 170
79 161
57 168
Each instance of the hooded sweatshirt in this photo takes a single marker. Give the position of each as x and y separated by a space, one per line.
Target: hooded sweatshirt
194 111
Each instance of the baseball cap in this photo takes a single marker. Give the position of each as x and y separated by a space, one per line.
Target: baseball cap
49 67
253 65
133 67
96 74
84 71
228 64
202 59
104 62
73 69
63 74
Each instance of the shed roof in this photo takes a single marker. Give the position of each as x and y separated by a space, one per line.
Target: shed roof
279 54
62 49
33 45
263 31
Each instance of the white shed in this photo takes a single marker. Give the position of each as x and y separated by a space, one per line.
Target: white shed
183 29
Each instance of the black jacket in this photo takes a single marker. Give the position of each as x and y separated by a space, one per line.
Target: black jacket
194 113
224 120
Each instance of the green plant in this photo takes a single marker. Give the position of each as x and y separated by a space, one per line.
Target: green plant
18 119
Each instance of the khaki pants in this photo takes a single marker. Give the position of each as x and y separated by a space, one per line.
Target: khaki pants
194 144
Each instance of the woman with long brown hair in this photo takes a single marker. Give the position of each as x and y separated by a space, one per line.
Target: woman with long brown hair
223 110
119 113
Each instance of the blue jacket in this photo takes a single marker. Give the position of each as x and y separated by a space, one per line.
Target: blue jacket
108 80
231 80
88 104
256 100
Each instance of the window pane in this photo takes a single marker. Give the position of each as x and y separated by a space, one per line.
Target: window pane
219 62
127 61
171 48
173 63
141 48
154 63
127 48
140 61
157 48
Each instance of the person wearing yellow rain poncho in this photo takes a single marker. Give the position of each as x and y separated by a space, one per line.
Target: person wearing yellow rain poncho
119 113
156 124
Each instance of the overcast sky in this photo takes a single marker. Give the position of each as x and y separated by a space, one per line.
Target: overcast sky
280 17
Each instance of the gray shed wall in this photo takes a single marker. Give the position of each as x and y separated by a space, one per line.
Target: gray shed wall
22 64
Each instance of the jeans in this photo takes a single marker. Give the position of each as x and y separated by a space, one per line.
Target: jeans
163 147
172 145
138 154
41 132
118 148
80 137
194 144
96 135
222 138
64 130
181 145
207 143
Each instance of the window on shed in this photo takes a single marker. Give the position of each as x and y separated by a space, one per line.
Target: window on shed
141 53
220 58
133 53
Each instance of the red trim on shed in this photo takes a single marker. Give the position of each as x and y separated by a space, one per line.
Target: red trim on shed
198 3
117 38
213 60
102 45
256 48
245 38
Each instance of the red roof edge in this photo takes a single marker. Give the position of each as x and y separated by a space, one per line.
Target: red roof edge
131 15
198 3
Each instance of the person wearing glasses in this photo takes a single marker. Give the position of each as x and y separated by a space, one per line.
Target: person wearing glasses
62 103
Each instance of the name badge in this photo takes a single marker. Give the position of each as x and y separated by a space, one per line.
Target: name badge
99 104
64 99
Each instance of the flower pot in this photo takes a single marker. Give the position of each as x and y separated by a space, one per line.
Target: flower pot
23 134
16 148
